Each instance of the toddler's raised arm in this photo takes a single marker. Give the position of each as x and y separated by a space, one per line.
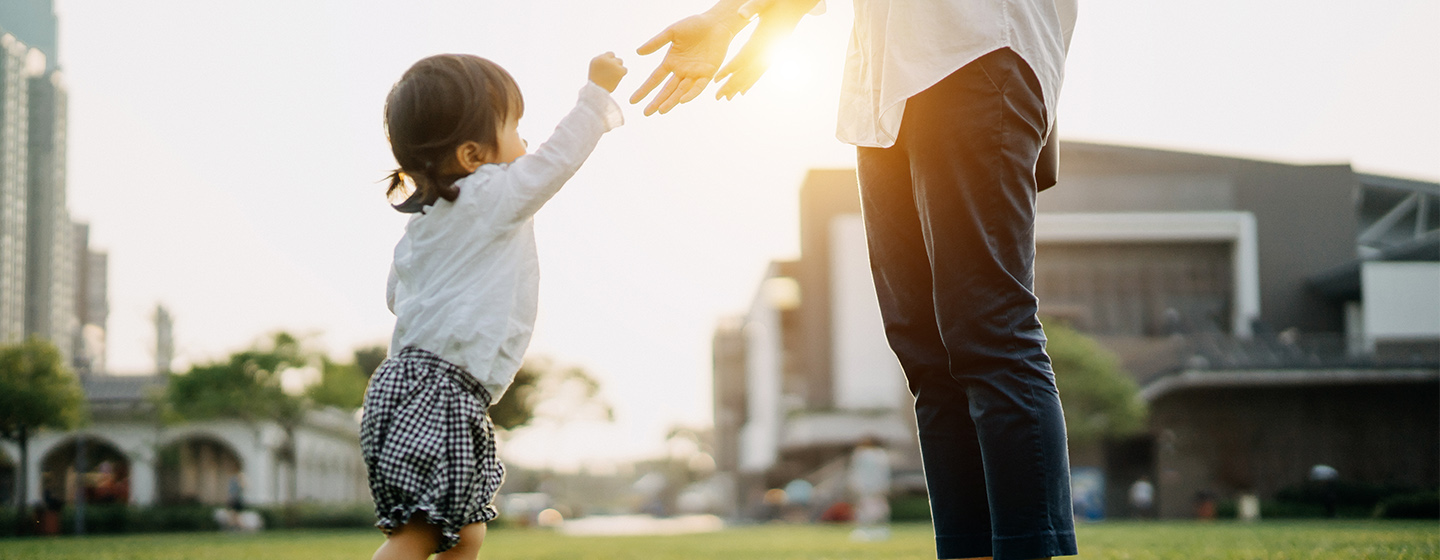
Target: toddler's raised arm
534 178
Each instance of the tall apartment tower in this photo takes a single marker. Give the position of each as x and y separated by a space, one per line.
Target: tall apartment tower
40 269
50 257
14 186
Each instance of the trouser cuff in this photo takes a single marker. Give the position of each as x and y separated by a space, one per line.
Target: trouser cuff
1037 545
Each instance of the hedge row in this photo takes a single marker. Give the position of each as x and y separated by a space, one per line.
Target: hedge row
103 519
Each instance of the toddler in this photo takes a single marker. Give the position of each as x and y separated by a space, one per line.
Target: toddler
463 289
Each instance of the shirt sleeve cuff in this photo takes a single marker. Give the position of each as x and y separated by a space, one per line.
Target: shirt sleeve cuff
598 100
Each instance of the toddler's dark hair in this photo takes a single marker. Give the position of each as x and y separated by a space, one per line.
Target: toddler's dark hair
440 103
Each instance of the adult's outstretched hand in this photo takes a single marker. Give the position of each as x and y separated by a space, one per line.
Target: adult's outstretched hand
697 48
778 19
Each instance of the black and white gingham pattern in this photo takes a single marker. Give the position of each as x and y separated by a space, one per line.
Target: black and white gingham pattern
429 445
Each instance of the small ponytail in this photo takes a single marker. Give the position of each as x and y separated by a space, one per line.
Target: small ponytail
413 203
425 193
397 182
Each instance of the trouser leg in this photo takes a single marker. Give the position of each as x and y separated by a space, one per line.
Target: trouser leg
969 146
900 264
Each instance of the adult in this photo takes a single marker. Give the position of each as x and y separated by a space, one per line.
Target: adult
949 103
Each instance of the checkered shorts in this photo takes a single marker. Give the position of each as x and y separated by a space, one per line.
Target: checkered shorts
429 445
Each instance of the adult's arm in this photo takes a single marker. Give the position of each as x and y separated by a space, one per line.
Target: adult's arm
698 45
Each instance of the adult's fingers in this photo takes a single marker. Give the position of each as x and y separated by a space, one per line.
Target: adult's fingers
654 44
654 80
664 94
745 79
695 90
750 63
744 64
678 96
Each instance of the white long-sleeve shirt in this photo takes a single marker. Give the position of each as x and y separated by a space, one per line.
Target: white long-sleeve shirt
465 280
899 48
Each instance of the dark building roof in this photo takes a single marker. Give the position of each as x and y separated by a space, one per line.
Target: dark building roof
1342 283
1284 378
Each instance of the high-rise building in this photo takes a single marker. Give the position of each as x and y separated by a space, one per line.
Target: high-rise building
47 287
14 188
50 259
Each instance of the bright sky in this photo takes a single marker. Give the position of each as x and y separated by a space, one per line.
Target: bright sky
228 156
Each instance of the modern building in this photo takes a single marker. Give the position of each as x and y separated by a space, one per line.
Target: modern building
14 186
50 258
42 276
1223 284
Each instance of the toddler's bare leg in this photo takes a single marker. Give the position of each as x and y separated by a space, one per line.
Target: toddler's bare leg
469 547
415 540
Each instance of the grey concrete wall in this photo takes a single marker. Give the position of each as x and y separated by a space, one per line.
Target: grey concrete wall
1260 440
1305 215
1306 223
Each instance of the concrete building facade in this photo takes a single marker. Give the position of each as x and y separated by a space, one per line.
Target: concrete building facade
131 457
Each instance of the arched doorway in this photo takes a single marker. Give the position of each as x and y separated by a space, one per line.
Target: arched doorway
198 470
104 471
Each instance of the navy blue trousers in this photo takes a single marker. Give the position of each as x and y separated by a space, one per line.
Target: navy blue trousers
949 216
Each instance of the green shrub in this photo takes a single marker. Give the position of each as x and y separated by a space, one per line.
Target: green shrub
9 522
315 516
1352 500
909 508
1346 493
1419 505
111 519
130 519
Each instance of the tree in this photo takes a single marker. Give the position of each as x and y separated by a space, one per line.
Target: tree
341 385
37 391
368 359
247 387
540 388
1100 400
517 407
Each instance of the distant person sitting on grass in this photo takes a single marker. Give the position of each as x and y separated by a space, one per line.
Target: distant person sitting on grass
463 288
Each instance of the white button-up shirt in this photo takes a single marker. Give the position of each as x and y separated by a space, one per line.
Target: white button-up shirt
465 280
902 47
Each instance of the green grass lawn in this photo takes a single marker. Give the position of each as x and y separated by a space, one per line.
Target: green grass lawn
1268 540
